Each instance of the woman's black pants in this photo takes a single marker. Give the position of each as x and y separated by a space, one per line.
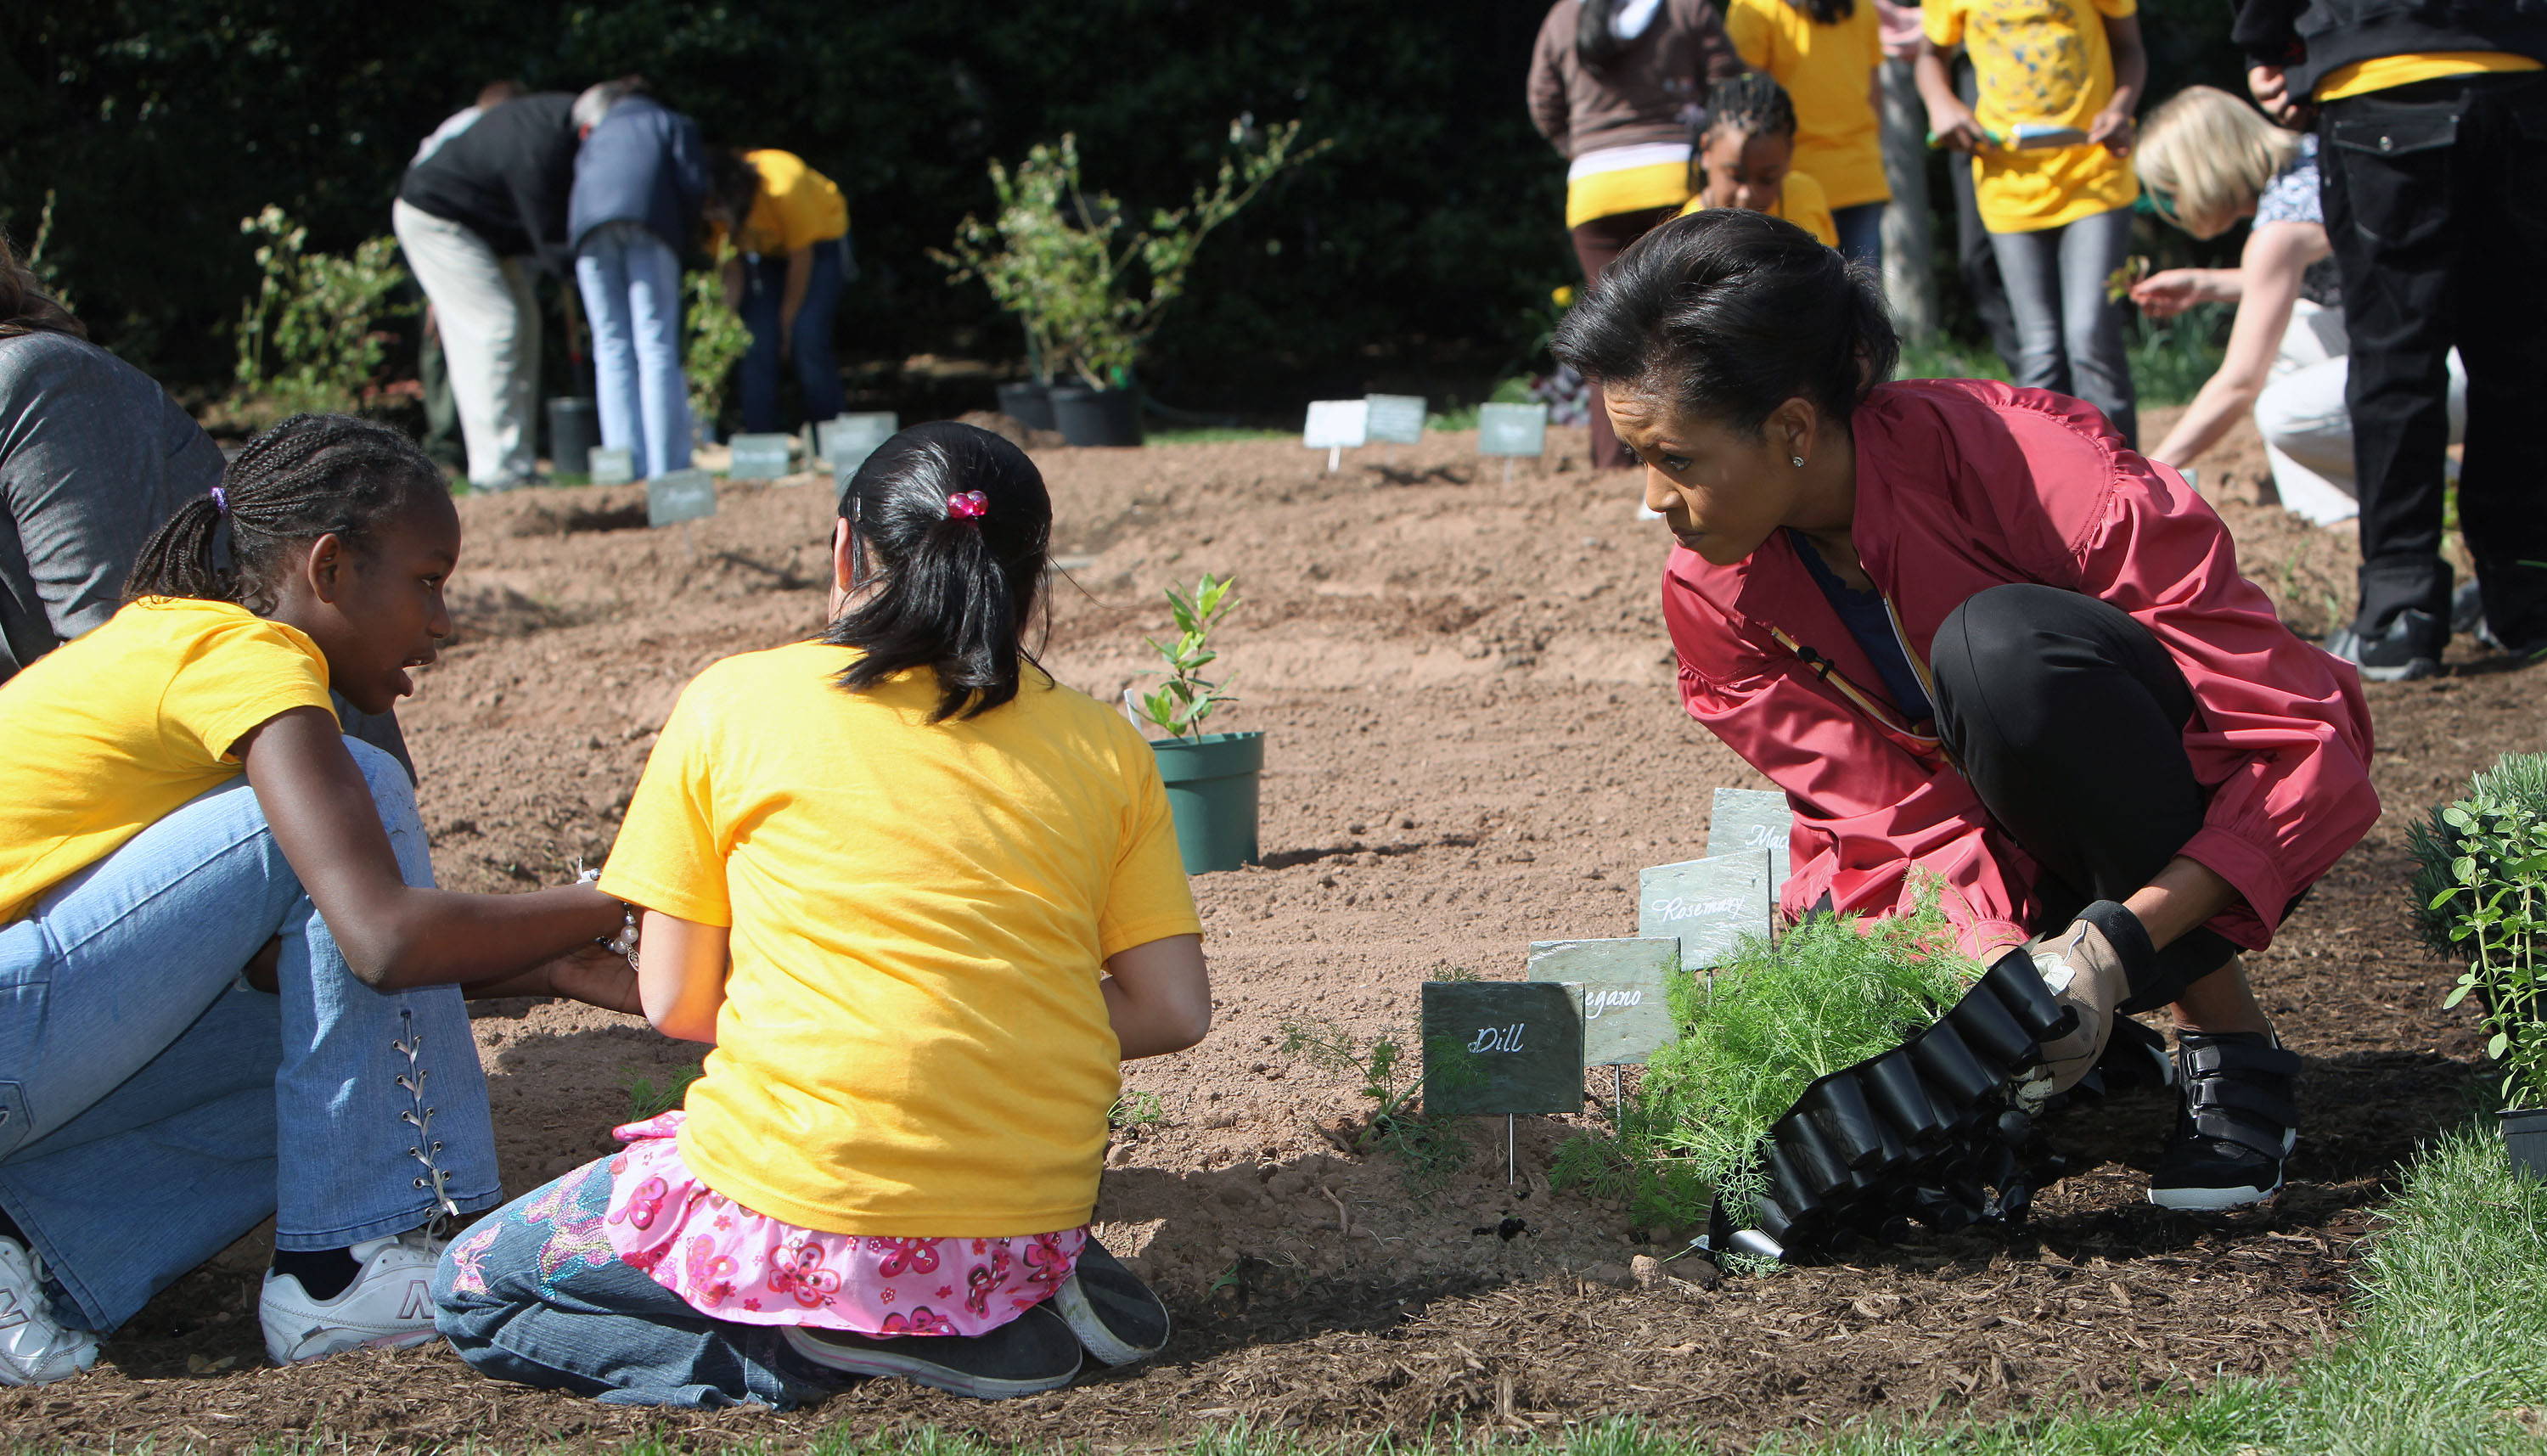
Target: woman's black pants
2068 719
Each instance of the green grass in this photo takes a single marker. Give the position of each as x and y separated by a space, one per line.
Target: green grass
2169 361
649 1098
1214 435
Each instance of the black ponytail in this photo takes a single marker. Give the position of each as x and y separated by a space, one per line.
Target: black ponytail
1726 314
309 476
957 522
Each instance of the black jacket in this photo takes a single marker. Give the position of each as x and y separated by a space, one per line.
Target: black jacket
642 164
2307 39
506 177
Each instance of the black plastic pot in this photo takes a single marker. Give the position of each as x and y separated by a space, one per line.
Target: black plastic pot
2524 1138
1028 403
1087 416
574 432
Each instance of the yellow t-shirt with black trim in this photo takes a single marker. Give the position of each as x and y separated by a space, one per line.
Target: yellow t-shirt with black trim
2041 62
798 207
1801 201
2382 72
1828 73
110 732
913 1041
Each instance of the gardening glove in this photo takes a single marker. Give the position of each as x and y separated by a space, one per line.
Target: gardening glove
2089 969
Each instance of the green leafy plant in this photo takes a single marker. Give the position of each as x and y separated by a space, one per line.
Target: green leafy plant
308 339
1186 698
2481 892
714 340
1428 1148
1089 288
1828 994
649 1098
1137 1110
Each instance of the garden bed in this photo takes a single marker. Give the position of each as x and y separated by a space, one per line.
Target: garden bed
1478 746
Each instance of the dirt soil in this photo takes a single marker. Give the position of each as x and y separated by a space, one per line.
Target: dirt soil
1473 745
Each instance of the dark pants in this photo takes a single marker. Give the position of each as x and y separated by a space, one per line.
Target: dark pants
2069 721
2436 208
1596 245
809 340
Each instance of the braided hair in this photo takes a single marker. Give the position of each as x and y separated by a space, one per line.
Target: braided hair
1751 103
309 476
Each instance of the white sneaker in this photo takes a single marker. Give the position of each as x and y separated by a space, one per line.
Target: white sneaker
389 1304
34 1349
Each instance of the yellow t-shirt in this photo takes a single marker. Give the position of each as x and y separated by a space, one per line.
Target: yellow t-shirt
1827 70
2044 63
110 731
913 1043
798 207
1637 189
2381 72
1801 201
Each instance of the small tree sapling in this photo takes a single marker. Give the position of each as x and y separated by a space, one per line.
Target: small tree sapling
2481 892
1186 698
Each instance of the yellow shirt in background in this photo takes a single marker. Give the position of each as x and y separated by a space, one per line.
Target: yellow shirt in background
798 207
2381 72
1829 71
110 731
1801 201
913 1041
2045 62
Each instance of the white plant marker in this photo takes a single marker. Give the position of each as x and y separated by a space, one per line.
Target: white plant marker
1336 426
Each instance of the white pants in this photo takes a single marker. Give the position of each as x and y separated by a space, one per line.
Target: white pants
2307 431
490 341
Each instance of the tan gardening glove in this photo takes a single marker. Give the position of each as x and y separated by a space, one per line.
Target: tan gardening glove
2086 971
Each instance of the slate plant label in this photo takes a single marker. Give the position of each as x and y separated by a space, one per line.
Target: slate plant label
1512 429
1752 818
613 466
1520 1043
681 495
1707 904
1624 983
1395 420
847 441
762 456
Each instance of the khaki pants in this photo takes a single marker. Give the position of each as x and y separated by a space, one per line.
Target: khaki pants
490 341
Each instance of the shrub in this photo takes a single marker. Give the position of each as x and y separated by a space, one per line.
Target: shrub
1186 699
307 340
2481 892
714 340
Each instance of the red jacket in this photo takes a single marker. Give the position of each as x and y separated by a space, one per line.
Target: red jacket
1961 486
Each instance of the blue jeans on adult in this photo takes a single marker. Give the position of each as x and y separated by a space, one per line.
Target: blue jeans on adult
153 1107
632 294
2069 336
1860 234
818 371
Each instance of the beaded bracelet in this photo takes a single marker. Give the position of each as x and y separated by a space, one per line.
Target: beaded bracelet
625 942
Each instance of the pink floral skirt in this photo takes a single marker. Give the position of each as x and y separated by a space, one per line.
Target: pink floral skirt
730 1264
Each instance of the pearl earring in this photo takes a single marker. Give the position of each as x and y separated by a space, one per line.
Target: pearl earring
1799 460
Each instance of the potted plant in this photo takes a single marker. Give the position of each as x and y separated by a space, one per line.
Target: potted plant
1211 778
1089 288
2481 892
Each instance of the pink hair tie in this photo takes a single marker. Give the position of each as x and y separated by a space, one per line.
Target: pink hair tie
968 506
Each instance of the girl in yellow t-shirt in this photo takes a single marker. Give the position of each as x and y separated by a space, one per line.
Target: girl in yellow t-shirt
790 230
923 901
1825 53
2058 82
231 989
1743 158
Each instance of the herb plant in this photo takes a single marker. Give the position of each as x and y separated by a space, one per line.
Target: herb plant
649 1098
1186 699
308 339
714 339
1428 1148
2481 892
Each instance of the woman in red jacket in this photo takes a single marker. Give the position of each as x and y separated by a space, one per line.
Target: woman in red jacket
1973 634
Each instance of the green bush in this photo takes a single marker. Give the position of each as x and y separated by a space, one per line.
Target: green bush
714 340
2480 892
307 340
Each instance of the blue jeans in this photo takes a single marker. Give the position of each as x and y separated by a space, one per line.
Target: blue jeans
2069 336
632 293
153 1108
818 372
533 1294
1860 234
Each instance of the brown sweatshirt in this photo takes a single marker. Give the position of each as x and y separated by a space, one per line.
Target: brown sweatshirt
1650 93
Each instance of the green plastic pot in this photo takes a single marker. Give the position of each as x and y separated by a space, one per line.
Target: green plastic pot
2524 1138
1211 787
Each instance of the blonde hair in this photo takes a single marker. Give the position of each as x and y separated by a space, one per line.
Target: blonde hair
2213 154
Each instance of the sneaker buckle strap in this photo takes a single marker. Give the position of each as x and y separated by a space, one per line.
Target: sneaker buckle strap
2230 1127
2210 1059
2214 1092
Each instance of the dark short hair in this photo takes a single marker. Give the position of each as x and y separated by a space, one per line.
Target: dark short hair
1728 313
958 589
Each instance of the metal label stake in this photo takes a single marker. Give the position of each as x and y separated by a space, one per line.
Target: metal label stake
1512 1166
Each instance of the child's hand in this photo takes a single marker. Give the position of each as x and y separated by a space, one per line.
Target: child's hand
2114 131
1956 130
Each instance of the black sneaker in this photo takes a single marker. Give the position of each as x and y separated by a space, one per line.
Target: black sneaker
1113 1314
1031 1353
2236 1126
2410 648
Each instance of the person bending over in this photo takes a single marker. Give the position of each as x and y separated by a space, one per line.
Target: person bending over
1972 634
1744 154
231 989
2206 160
924 901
